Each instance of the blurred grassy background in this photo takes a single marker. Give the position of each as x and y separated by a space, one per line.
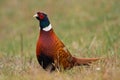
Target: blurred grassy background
89 28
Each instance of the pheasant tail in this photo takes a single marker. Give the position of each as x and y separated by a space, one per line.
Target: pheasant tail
84 61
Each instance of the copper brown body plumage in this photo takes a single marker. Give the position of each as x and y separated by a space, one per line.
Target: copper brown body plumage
51 52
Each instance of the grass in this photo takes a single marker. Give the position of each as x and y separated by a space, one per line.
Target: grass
88 28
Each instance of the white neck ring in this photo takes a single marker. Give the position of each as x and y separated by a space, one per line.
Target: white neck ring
48 28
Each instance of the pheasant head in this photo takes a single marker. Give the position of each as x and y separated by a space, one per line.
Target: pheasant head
43 21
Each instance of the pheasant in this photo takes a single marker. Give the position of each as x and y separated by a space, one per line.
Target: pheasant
51 52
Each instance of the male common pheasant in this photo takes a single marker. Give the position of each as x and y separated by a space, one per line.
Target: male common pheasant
51 52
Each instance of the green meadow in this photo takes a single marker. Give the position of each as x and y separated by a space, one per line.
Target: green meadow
88 28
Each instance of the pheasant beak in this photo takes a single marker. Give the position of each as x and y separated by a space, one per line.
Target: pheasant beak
36 15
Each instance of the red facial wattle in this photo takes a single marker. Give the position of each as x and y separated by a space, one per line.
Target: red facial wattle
41 16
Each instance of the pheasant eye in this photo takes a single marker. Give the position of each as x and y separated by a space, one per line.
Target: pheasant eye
41 16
